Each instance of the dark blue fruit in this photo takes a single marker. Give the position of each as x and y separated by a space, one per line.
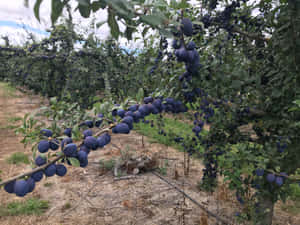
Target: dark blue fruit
271 177
129 113
259 172
148 100
84 163
279 181
50 170
68 132
133 108
37 176
61 170
137 116
129 121
98 123
39 160
107 138
121 128
21 188
157 103
10 187
46 132
84 148
54 144
82 156
181 54
43 146
70 150
91 142
121 113
187 27
176 44
114 112
87 133
66 141
89 123
144 110
31 184
191 45
101 141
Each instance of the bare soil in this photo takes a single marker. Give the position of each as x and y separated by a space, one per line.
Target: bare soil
92 196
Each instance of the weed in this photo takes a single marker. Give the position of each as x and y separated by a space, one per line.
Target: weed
17 158
31 206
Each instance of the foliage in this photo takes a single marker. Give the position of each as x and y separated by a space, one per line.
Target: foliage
30 206
17 158
246 87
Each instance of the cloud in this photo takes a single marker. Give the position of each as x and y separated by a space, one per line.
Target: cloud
14 14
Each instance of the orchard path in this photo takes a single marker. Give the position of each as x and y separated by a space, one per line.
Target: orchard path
90 196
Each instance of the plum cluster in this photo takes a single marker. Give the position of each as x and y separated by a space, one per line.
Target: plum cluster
50 143
70 150
186 53
271 178
22 187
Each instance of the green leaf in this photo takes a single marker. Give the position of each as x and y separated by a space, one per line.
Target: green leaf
297 102
36 9
74 162
146 29
83 2
114 27
140 95
84 11
152 20
100 24
97 5
56 10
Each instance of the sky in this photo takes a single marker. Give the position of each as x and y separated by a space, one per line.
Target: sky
14 17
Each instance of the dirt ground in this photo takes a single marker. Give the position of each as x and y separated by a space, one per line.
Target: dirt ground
92 196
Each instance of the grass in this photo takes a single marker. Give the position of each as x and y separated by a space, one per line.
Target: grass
9 91
17 158
171 126
48 184
293 207
66 206
14 119
31 206
107 164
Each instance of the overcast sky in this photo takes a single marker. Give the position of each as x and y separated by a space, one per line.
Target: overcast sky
14 15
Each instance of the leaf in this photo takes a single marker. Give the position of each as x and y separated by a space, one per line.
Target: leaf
97 5
83 2
128 32
100 24
146 29
36 9
140 95
114 27
297 102
56 10
152 20
74 162
84 11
